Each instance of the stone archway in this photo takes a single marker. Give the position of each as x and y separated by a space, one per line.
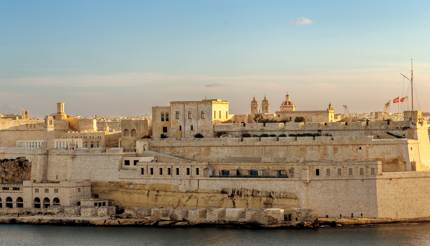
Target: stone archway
19 202
9 202
56 201
36 203
46 202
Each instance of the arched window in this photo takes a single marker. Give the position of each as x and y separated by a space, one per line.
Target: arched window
46 202
9 202
55 201
133 132
126 133
19 202
36 203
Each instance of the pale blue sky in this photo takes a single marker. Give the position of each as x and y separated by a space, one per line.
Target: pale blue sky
106 57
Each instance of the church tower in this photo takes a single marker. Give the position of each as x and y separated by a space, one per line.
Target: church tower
265 106
287 105
254 106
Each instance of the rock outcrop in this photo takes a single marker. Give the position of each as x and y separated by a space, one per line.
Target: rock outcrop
14 171
129 195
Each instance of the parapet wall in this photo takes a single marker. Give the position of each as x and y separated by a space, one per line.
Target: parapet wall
329 126
394 154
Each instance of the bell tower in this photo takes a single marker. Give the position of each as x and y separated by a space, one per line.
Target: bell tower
265 106
254 106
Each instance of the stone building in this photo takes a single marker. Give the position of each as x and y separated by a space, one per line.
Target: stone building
132 130
366 169
188 119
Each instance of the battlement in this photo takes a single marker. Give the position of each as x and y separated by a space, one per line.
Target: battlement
302 126
258 141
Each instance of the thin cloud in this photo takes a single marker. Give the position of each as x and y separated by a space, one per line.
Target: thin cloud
302 21
213 85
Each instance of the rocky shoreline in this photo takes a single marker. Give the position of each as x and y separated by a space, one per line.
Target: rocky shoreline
108 221
99 221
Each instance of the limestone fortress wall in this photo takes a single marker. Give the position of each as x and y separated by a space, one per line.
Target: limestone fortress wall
369 169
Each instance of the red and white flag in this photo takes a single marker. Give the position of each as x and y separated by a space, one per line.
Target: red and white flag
399 99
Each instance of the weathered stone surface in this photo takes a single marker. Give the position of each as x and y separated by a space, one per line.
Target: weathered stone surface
234 214
215 215
271 216
196 215
88 212
13 171
162 195
72 211
105 211
251 215
179 214
143 212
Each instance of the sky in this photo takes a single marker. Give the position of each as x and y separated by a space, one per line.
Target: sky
122 57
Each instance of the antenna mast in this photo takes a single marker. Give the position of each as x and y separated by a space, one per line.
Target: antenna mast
411 79
412 84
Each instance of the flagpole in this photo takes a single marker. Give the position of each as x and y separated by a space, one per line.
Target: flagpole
398 107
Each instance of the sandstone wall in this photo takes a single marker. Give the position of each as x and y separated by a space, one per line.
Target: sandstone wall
394 153
166 195
404 195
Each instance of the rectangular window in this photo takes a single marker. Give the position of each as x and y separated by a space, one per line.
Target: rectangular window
350 171
180 128
327 172
188 171
202 115
197 171
79 189
135 162
161 171
177 171
226 114
219 114
361 171
162 116
46 190
189 115
339 172
164 129
214 114
36 190
372 171
192 128
169 171
55 190
225 173
317 172
142 171
15 188
167 117
151 171
177 115
126 162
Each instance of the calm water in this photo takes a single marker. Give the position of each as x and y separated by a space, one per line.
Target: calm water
389 235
